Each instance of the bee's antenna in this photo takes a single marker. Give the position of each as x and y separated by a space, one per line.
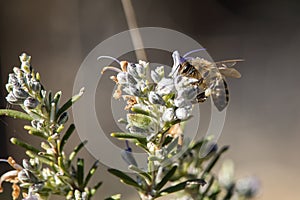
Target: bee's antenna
108 57
193 51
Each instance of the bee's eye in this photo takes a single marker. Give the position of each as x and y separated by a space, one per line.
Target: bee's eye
185 69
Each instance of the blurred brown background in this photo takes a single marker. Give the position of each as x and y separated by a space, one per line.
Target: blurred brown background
262 125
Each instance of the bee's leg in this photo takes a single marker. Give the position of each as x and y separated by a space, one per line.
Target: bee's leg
200 98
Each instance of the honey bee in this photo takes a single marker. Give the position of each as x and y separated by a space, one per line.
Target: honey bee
211 78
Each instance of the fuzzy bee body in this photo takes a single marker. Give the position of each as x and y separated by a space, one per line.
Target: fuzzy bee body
211 78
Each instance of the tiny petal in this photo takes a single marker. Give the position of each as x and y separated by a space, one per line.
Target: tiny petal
181 102
165 86
155 77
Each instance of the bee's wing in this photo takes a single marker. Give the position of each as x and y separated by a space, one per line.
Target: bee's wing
225 68
230 72
228 63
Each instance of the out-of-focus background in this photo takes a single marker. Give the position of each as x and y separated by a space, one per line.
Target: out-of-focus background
262 125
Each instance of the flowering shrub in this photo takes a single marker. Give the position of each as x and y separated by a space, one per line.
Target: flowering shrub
158 105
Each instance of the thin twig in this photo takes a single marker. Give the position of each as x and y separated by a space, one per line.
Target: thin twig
134 32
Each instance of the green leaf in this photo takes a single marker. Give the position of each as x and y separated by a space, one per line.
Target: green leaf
75 151
180 186
35 132
91 173
69 103
141 173
24 145
15 114
114 197
125 178
66 136
127 136
214 161
80 172
166 178
139 110
95 188
140 120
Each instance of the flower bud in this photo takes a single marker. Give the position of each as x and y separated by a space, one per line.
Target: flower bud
248 187
131 80
140 70
168 115
13 100
155 77
12 79
155 98
131 69
183 113
31 103
165 86
19 93
35 86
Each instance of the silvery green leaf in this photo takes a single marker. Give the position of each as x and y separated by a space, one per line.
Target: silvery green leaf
168 115
140 120
31 103
128 157
155 98
165 86
19 93
183 113
122 78
134 129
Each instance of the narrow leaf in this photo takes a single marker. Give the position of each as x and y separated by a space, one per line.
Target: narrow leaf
80 172
166 178
24 145
214 161
66 136
15 114
139 137
181 186
114 197
95 188
141 173
91 173
75 151
124 178
69 103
